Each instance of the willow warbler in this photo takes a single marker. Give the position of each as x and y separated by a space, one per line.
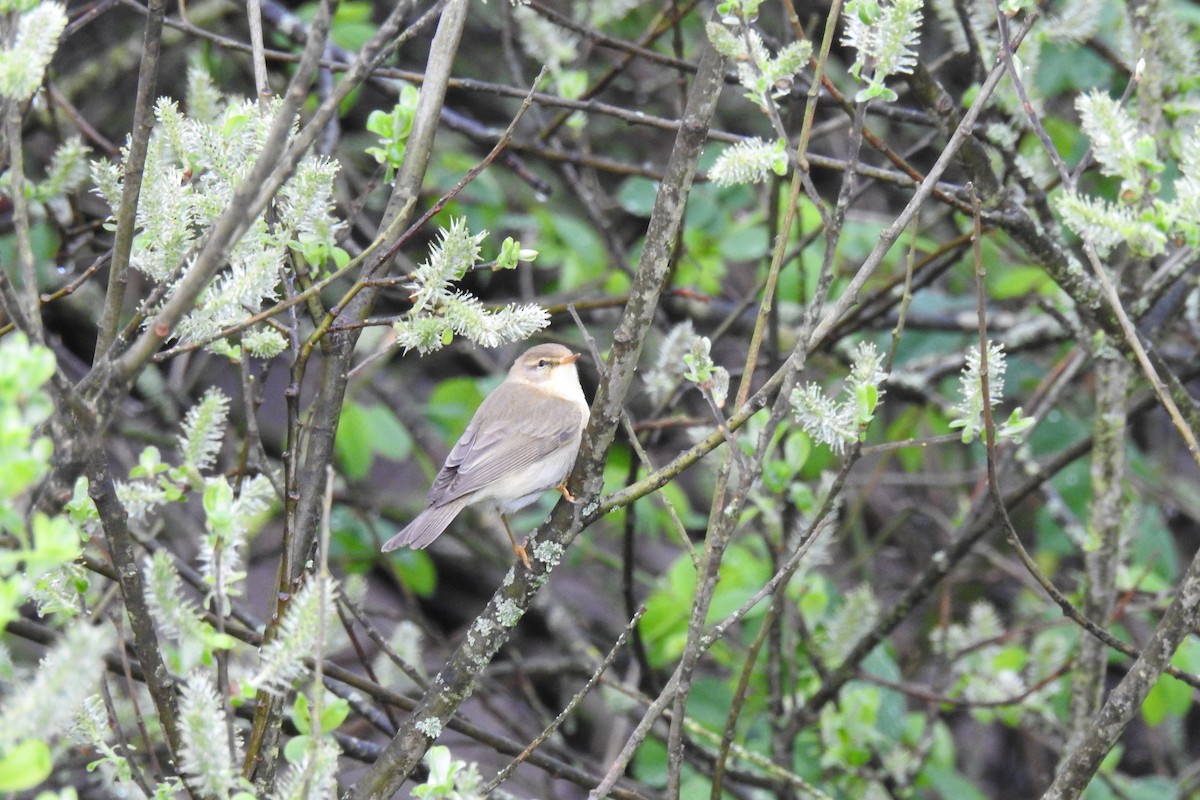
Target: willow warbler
521 442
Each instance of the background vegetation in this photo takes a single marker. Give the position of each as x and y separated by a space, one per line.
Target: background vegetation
889 318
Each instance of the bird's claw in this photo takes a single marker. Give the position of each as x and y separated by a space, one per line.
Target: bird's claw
519 549
566 493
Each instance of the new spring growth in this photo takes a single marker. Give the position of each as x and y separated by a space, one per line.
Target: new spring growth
704 373
749 161
393 129
511 253
765 78
885 35
1143 217
440 310
970 405
663 377
839 422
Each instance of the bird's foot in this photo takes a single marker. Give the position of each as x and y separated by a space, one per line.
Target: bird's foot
566 493
519 549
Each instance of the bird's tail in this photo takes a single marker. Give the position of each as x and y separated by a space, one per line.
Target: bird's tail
427 526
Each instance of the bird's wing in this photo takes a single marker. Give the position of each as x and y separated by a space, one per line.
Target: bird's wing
485 453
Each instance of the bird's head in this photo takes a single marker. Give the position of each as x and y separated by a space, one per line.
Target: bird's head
549 367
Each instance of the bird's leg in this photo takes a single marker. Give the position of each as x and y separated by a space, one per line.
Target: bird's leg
519 549
566 493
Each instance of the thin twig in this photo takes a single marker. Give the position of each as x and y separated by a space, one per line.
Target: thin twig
715 634
254 21
26 267
639 450
571 705
135 165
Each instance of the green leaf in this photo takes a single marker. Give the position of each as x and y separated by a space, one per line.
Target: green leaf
440 764
797 447
664 625
906 426
379 122
390 438
25 765
56 543
352 25
234 123
353 444
81 508
340 257
707 211
572 83
454 400
1013 658
650 763
875 89
301 714
1153 549
218 504
950 784
12 596
296 747
334 714
351 543
1016 281
416 569
1171 697
745 243
442 771
1148 787
637 196
866 398
1146 151
1160 699
942 752
1066 66
1015 426
744 570
815 600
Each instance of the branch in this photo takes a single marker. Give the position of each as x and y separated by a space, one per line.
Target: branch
129 578
1125 701
27 299
1108 509
135 165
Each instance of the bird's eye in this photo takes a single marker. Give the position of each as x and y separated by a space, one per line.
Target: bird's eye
542 363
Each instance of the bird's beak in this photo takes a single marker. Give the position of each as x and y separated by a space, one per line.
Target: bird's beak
571 359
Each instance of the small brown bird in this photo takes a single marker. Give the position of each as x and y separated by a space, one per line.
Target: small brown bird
522 441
